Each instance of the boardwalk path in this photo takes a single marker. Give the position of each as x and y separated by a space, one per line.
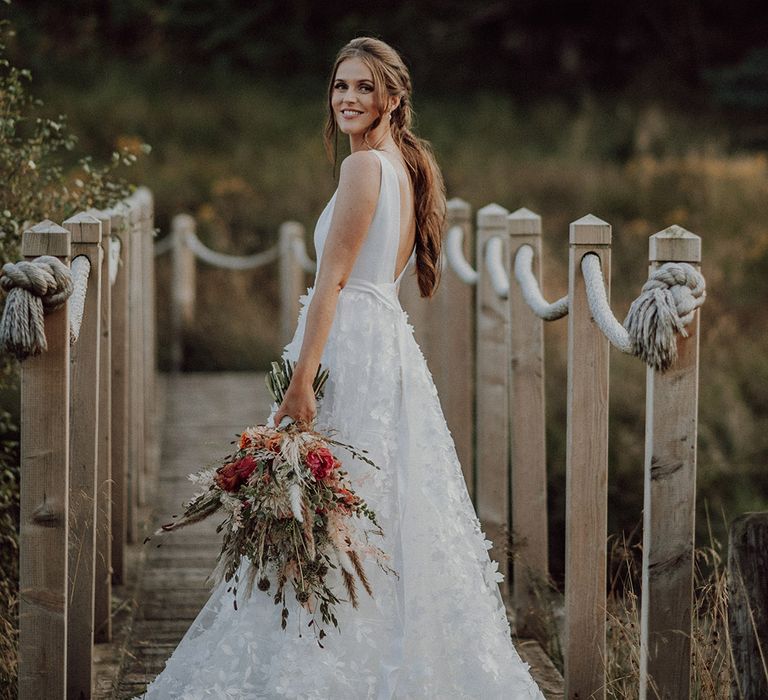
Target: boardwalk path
202 413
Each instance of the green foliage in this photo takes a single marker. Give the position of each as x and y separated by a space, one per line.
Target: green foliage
36 184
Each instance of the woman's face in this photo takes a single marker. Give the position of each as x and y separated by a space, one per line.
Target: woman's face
353 98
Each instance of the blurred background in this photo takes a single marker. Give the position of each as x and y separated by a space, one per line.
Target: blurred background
642 113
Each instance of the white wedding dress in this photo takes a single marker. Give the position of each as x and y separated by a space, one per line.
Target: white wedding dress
439 631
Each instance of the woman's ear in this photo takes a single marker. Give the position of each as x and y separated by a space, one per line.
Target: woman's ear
394 103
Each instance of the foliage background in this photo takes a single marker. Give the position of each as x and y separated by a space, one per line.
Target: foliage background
643 113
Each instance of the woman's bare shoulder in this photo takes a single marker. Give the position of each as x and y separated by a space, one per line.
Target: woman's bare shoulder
361 164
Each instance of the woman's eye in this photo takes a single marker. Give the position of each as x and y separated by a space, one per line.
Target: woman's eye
366 88
339 86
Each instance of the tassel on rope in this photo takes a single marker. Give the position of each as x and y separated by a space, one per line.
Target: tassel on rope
34 287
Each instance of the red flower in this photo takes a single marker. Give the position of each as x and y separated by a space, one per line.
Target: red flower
321 462
232 475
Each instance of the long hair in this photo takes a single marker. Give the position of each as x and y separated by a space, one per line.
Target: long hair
391 78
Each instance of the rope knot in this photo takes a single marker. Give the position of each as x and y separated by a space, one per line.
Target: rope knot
666 305
34 287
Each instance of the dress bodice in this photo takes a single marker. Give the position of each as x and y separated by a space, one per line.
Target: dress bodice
377 260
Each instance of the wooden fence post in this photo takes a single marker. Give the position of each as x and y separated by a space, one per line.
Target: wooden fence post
44 527
123 511
104 535
670 498
136 329
748 605
528 446
151 397
452 345
492 412
291 277
84 404
586 472
183 273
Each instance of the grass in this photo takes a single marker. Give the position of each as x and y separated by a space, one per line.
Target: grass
711 660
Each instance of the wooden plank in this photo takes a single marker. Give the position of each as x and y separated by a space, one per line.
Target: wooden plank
492 401
120 342
85 451
452 358
291 276
670 499
136 376
104 537
183 286
586 486
44 498
527 434
748 605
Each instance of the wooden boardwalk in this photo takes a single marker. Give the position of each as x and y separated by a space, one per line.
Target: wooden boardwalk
200 414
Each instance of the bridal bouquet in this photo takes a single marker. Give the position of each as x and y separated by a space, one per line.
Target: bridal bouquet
289 510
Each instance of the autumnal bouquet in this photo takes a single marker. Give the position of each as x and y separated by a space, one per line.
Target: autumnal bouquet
289 511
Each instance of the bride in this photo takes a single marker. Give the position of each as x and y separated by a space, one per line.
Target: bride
438 630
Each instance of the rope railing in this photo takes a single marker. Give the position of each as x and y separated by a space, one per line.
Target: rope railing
300 252
114 259
80 269
664 308
34 288
163 245
454 253
497 274
529 288
229 262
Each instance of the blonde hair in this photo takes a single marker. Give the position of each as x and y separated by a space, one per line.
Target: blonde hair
391 78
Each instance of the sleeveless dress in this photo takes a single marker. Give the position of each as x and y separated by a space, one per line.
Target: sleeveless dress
439 631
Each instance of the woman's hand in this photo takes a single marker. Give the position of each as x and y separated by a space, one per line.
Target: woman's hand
299 403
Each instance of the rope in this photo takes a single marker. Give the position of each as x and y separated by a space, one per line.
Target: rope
598 304
529 287
115 247
496 272
34 287
454 251
300 253
81 269
230 262
163 245
666 305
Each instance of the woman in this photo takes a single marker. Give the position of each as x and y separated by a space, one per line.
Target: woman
439 629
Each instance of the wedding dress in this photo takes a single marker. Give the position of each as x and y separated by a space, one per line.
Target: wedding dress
439 631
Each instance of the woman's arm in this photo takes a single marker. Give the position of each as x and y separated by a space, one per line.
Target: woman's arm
358 193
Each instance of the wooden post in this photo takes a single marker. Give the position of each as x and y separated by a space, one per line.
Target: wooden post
151 398
123 512
492 412
136 329
748 605
528 447
85 232
670 498
143 199
452 346
183 269
104 536
291 279
586 472
44 527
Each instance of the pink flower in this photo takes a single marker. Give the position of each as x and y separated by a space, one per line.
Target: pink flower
232 475
321 462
